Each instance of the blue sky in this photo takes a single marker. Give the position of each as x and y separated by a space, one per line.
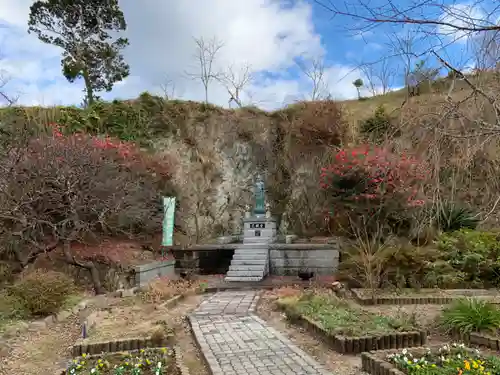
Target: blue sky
266 36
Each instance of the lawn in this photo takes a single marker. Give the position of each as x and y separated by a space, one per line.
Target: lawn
341 317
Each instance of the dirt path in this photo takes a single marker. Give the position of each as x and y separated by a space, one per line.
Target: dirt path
191 356
333 361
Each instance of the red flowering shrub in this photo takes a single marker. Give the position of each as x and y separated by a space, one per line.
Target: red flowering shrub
61 189
372 182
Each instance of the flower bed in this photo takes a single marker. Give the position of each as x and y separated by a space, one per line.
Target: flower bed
143 362
444 360
347 328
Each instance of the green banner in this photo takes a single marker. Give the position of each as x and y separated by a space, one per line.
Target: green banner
168 221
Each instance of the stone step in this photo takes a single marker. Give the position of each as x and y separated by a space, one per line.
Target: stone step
257 273
251 256
258 240
249 262
256 245
252 251
245 268
242 278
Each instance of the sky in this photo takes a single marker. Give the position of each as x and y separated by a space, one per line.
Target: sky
268 36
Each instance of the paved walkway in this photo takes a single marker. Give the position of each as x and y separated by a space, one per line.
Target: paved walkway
236 342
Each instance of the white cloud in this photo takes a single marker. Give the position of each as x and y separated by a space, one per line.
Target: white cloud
260 33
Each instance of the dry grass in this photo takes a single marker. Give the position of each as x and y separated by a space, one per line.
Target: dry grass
162 289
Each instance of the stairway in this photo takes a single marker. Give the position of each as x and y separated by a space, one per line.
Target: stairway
250 261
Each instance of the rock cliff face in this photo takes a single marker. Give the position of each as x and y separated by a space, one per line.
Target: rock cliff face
214 175
217 159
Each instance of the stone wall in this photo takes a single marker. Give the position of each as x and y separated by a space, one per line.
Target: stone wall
148 272
288 259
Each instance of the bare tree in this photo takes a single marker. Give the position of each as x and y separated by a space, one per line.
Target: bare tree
7 98
486 50
314 70
453 18
403 46
206 54
368 71
235 80
168 88
385 75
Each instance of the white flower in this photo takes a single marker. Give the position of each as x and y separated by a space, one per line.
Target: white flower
158 366
415 360
92 371
405 359
459 356
404 351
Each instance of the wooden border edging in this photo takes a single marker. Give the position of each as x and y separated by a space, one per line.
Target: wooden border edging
400 300
377 366
356 345
120 345
482 339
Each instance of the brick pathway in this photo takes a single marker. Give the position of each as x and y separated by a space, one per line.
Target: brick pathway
236 342
233 302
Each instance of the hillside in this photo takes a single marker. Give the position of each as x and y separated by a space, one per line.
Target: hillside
213 152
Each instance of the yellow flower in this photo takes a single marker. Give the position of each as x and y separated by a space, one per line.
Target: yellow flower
467 365
84 355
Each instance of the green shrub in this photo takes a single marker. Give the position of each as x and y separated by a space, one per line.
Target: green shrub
378 124
11 307
43 292
450 217
476 254
470 315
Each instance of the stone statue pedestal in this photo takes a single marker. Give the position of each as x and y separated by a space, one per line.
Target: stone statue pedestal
259 229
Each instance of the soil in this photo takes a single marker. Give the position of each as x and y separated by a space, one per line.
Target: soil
333 361
48 350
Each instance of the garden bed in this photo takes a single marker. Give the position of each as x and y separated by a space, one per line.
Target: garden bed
136 325
421 296
444 359
149 362
348 328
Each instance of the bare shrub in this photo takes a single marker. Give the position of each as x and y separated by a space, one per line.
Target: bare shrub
59 190
161 289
